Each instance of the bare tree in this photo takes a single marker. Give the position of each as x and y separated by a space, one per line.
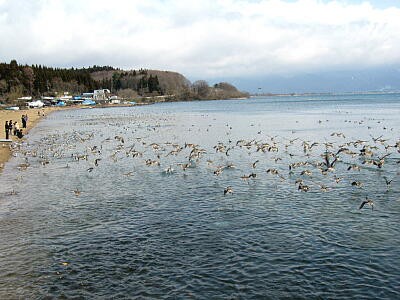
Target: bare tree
127 94
201 88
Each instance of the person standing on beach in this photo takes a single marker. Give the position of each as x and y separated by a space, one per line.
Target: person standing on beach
16 127
7 130
23 120
10 127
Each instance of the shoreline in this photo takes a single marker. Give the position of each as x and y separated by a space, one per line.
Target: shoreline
33 119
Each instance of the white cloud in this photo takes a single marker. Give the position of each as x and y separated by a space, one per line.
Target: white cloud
203 38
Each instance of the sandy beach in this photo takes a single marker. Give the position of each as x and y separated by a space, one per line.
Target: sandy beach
34 116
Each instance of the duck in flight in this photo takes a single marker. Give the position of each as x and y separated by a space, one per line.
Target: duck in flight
367 202
387 181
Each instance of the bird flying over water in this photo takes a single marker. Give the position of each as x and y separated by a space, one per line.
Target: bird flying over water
387 181
357 183
254 164
367 202
228 190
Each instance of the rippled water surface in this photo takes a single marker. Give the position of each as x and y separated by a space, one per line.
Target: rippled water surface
83 216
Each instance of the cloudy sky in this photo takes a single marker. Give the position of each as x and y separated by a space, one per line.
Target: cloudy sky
274 45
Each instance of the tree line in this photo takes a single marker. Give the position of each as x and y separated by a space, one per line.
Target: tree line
37 80
139 81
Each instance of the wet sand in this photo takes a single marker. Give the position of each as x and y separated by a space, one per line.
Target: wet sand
34 116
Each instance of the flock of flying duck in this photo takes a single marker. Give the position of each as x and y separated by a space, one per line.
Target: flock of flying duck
308 166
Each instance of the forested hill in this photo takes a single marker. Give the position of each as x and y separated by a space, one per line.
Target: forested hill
36 80
142 82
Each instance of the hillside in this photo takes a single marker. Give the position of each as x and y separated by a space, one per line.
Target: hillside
164 82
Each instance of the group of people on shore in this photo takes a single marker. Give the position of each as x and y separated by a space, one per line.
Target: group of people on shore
14 127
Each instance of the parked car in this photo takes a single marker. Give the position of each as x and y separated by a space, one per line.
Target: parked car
47 103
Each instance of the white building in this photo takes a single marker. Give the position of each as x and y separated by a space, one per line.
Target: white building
101 94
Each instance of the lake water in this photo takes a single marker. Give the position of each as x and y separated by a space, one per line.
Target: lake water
83 216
